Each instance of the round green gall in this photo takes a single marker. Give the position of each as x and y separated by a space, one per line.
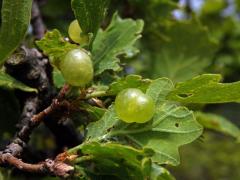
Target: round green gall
132 105
77 68
74 32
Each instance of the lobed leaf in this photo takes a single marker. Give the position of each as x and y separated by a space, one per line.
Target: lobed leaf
171 127
206 88
116 40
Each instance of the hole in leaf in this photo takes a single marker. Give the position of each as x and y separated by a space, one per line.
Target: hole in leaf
109 129
177 124
139 157
185 95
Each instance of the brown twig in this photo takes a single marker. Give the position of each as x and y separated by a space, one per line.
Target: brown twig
57 104
54 107
35 75
49 166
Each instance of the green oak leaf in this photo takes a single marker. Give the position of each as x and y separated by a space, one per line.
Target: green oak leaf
114 159
54 45
99 129
14 24
7 81
90 14
179 57
218 123
171 127
130 81
206 88
159 88
116 40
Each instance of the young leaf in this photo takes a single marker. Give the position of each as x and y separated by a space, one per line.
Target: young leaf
114 41
54 45
218 123
121 161
90 14
171 126
7 81
15 22
206 88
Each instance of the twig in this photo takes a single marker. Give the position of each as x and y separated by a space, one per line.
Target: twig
37 22
49 166
34 75
56 104
54 107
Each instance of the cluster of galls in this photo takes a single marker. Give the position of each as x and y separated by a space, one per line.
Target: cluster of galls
131 105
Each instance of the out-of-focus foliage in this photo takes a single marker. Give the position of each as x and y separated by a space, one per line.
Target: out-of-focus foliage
57 14
179 56
218 123
215 157
213 26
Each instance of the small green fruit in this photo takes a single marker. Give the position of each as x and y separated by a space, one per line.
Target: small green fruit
77 68
132 105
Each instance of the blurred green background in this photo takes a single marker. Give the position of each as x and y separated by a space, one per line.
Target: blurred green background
181 39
